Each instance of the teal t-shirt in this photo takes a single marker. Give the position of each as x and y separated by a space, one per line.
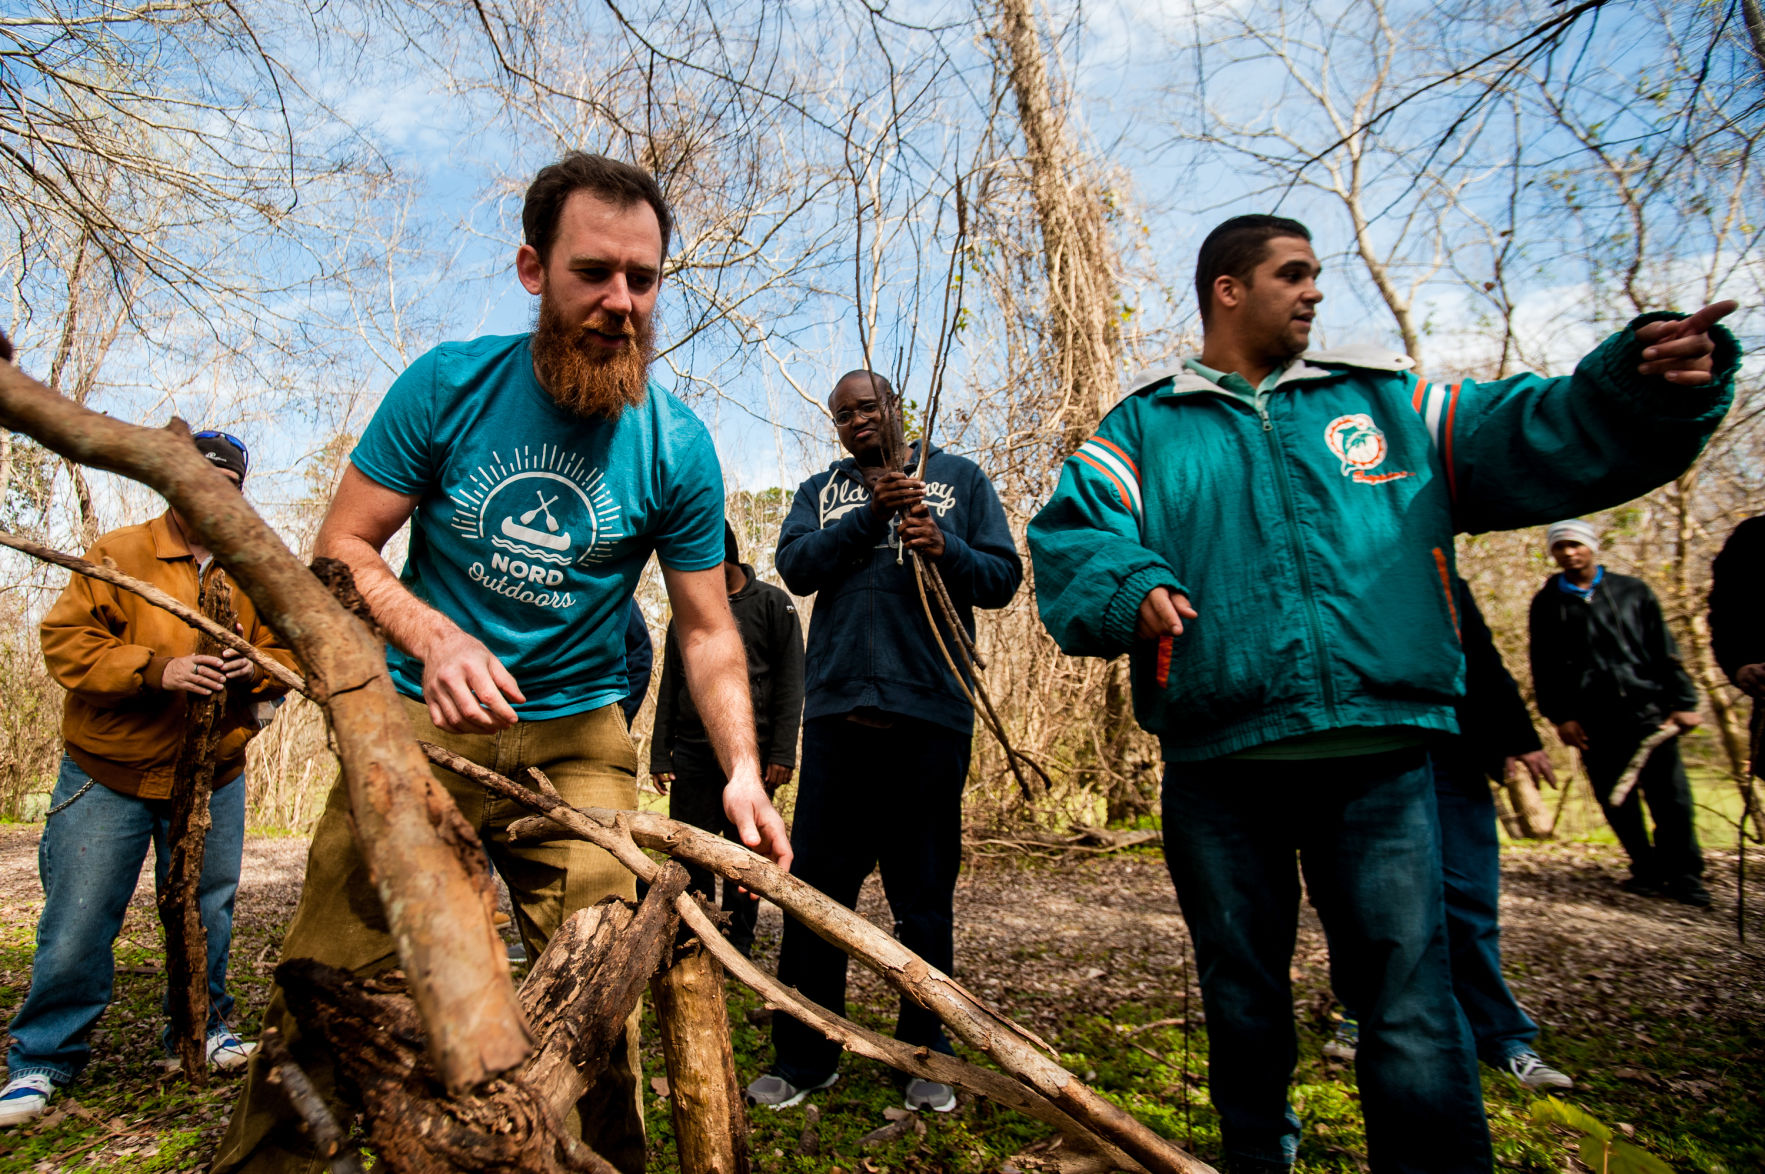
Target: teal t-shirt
534 523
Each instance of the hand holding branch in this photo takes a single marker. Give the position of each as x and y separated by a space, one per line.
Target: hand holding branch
919 531
197 673
1537 764
1681 352
895 491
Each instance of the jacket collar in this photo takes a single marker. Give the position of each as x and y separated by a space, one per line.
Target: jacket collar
1312 365
167 542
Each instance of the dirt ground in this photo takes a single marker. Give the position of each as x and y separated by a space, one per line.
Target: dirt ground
1653 1006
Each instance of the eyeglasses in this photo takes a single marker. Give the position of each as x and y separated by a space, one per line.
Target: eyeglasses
869 409
211 434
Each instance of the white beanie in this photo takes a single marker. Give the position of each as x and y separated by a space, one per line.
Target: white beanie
1574 530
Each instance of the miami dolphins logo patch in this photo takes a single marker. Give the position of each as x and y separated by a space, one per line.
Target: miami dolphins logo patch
1359 444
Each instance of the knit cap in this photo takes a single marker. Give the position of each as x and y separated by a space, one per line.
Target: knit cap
1573 530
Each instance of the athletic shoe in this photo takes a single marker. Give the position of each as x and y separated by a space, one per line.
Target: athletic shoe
775 1092
25 1098
228 1052
1534 1073
929 1094
1641 886
1345 1042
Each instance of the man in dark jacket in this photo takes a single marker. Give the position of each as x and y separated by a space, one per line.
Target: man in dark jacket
1606 671
680 751
1495 739
1737 624
887 729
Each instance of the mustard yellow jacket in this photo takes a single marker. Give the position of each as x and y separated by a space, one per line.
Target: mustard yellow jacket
109 648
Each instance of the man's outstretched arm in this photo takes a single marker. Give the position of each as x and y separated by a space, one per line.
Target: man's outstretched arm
466 688
717 677
1634 414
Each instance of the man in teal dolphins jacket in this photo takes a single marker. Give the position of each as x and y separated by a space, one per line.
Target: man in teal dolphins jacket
1269 534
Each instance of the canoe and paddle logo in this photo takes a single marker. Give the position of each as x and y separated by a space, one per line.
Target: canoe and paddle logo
541 513
1360 446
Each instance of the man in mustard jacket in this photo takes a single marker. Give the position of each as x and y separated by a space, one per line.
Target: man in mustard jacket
130 670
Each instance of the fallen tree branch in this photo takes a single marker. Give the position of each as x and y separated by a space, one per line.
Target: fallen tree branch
1083 839
427 866
1633 770
160 599
1018 1051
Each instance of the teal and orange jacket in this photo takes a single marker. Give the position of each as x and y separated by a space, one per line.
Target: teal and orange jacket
1311 525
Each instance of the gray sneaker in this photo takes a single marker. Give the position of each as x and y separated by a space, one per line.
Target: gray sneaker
1534 1073
775 1092
929 1094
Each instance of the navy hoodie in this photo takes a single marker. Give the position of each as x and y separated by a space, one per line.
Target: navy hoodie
869 644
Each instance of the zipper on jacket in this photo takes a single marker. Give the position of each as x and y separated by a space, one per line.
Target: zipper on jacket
1262 409
1313 623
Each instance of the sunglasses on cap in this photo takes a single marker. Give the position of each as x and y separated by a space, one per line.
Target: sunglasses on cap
211 434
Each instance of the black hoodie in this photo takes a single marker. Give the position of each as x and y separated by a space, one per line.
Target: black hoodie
773 640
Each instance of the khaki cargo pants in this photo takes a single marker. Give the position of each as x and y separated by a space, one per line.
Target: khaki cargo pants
591 760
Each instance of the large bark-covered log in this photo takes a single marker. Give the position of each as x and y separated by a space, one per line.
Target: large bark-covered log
597 989
413 1124
704 1093
427 867
579 995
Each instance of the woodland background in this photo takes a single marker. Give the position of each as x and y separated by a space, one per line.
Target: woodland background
254 217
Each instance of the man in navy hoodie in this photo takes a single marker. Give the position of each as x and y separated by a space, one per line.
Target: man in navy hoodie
886 728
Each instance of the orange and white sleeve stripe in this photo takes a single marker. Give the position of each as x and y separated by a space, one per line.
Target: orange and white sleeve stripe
1438 405
1113 462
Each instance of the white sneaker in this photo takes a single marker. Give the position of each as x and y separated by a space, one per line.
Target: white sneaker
25 1098
228 1052
1534 1073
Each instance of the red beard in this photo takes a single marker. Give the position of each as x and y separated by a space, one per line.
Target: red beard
578 373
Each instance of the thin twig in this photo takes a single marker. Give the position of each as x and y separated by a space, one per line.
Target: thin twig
160 599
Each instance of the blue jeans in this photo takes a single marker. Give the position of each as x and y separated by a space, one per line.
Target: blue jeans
89 860
1471 860
1366 836
888 799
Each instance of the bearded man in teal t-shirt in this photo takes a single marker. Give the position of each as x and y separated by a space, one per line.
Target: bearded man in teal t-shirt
538 473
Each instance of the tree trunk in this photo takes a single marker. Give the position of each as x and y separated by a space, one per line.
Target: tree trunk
1083 297
180 902
704 1095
